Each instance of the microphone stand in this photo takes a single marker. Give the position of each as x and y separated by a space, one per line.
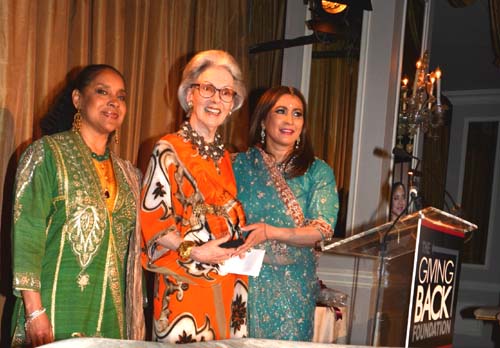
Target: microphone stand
405 156
381 270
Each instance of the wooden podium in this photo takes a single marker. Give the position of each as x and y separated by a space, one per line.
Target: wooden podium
416 267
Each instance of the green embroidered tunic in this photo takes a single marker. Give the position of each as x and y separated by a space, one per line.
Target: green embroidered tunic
66 244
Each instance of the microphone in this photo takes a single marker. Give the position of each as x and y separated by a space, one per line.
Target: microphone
401 155
404 156
413 192
380 152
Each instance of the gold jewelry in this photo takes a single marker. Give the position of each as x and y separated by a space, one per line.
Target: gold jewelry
117 137
263 135
77 121
184 249
297 143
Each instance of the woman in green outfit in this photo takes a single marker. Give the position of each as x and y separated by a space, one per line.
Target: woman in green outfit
75 231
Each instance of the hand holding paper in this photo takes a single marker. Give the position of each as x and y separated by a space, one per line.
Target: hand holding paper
248 265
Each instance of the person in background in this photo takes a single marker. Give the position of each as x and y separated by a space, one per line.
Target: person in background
75 231
189 208
398 200
291 203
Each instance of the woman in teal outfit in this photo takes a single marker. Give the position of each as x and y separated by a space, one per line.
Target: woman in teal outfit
291 203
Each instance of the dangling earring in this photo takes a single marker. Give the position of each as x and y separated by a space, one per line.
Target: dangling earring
190 109
262 135
297 143
77 121
117 137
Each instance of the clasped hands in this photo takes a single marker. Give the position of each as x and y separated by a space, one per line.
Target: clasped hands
212 252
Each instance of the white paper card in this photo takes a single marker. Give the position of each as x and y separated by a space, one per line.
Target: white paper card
249 265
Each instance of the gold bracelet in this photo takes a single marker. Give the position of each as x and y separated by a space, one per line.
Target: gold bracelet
184 249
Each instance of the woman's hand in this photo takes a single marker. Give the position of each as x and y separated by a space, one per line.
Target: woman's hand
212 253
257 233
38 328
39 331
297 236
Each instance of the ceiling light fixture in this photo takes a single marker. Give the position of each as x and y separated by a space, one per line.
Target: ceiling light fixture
332 7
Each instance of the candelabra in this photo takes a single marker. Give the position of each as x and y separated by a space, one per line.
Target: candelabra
420 107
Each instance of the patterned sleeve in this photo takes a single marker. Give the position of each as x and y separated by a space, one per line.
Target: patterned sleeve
323 200
158 209
35 181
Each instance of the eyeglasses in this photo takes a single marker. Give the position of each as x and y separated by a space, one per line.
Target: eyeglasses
207 90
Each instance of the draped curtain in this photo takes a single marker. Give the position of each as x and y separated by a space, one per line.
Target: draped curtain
332 101
43 42
495 29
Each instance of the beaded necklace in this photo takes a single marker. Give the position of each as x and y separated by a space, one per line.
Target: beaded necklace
214 150
285 166
102 157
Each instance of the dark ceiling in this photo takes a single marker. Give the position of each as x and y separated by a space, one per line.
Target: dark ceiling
461 45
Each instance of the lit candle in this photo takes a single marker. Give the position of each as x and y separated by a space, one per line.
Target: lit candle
438 86
405 91
405 82
430 89
417 75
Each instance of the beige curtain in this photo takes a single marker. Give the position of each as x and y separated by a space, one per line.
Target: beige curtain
150 41
332 102
266 66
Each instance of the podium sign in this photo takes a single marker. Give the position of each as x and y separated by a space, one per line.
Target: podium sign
406 279
436 271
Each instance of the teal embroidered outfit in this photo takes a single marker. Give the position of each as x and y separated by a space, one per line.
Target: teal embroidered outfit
282 299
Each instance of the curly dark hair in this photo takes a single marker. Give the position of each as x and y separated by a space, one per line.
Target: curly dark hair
60 116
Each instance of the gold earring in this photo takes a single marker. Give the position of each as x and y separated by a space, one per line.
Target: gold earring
117 136
297 143
77 121
262 135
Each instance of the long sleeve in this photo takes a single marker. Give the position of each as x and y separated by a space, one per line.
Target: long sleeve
159 211
323 201
35 179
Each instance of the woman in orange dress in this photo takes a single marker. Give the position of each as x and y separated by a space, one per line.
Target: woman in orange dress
189 209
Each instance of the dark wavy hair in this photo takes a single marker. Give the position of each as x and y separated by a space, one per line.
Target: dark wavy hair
60 116
299 160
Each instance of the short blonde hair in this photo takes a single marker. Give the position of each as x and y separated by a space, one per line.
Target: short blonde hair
207 59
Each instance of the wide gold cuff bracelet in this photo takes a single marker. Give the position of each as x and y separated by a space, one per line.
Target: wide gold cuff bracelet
184 249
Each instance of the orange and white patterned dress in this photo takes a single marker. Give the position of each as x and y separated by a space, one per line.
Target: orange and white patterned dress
194 197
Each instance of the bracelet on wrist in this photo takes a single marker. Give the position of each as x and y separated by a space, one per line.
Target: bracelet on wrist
184 249
33 315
